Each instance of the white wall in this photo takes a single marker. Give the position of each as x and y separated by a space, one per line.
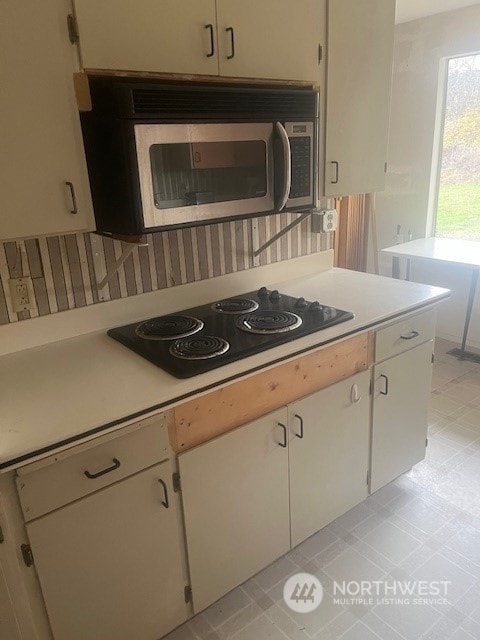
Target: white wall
420 46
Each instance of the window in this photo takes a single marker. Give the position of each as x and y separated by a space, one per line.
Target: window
458 197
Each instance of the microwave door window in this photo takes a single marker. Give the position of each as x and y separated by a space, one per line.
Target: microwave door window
196 173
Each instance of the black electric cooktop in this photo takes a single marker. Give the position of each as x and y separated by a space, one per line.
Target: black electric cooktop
203 338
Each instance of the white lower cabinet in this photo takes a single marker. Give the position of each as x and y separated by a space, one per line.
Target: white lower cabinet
329 454
255 492
9 628
236 505
105 526
8 622
400 413
110 564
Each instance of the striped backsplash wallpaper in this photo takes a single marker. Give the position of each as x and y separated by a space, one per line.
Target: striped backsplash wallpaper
65 269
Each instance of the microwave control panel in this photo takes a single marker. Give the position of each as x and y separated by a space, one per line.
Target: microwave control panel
301 138
301 167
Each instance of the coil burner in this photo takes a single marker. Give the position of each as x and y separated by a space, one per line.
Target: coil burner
169 328
199 348
235 305
268 322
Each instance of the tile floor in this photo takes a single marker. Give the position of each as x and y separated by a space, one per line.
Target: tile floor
423 526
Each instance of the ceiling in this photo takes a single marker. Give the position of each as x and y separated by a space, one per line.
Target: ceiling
413 9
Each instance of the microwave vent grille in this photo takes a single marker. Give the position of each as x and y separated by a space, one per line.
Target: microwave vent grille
218 104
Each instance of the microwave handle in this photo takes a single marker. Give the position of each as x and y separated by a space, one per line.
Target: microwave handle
287 166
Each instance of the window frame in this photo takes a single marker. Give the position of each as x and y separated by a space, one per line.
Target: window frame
437 151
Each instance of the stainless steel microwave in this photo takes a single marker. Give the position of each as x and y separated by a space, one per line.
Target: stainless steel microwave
162 156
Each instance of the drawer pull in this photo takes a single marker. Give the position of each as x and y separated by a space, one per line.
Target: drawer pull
385 392
92 476
411 335
165 502
284 443
300 435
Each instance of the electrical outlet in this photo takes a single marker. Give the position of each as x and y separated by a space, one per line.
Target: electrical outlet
22 295
324 220
329 220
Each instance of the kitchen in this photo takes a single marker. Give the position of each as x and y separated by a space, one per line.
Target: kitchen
150 471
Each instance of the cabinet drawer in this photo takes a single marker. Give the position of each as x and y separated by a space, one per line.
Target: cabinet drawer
404 335
65 478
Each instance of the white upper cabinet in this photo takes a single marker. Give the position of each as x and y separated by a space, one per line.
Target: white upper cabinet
44 185
276 39
172 36
360 51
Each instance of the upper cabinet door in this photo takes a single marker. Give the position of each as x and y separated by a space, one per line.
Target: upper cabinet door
360 51
172 36
44 185
276 39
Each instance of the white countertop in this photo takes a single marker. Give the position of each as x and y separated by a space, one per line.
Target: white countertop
74 389
463 252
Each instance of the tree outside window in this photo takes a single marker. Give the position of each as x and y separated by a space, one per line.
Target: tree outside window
458 203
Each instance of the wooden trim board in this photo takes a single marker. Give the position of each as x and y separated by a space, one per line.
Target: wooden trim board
203 418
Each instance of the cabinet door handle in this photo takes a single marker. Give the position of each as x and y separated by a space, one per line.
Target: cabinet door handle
385 392
354 395
74 208
335 164
212 41
284 443
300 435
411 335
92 476
232 42
165 502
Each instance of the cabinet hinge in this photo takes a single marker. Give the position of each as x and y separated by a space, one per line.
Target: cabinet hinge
320 53
27 554
176 482
2 537
386 167
433 358
368 477
426 442
188 593
370 388
72 28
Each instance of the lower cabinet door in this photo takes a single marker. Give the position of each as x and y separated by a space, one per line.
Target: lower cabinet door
329 451
8 622
110 564
9 577
235 499
400 413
